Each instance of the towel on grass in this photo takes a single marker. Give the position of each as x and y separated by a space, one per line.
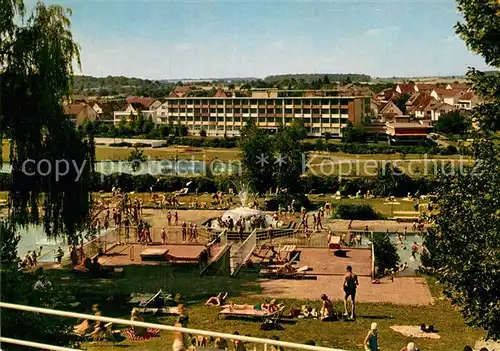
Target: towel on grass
414 331
150 332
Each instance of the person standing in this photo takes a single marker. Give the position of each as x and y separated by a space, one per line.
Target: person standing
163 236
176 218
371 340
169 218
350 285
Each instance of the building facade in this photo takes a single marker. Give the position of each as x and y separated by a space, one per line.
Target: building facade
324 112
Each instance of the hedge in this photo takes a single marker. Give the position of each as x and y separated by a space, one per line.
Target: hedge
355 211
316 184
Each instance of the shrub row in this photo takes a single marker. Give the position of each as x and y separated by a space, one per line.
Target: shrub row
355 211
363 148
331 184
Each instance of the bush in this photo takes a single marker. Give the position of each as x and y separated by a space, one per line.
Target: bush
354 211
284 200
386 253
121 144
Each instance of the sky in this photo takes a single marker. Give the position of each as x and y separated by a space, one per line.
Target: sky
165 39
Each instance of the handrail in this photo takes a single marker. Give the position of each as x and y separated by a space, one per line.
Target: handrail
164 327
34 344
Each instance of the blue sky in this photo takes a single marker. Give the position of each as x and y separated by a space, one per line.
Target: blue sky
195 39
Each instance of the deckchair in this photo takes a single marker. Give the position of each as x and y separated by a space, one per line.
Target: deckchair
250 313
280 273
162 311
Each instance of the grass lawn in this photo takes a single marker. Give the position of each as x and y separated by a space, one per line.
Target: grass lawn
379 204
195 290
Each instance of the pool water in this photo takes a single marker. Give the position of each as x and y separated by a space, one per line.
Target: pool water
404 251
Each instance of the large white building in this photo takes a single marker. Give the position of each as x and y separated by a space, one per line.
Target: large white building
321 111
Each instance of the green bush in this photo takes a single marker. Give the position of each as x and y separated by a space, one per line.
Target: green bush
386 253
355 211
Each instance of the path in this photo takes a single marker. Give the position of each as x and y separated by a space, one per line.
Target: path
404 291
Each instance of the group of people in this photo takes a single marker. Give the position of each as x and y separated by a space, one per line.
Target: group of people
189 232
30 260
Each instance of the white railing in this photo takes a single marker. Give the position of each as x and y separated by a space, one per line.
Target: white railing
319 239
118 321
243 253
223 237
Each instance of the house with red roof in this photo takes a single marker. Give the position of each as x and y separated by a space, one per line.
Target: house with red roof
389 111
448 96
144 103
180 91
405 131
468 101
406 88
79 112
424 88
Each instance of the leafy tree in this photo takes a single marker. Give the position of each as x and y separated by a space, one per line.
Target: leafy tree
401 102
464 245
256 151
136 158
148 125
353 134
453 122
385 252
288 158
326 80
37 56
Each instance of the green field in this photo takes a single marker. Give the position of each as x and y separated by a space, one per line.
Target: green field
195 290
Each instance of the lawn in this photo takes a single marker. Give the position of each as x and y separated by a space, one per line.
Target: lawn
194 290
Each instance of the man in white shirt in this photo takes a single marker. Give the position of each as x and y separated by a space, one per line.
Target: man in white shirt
42 284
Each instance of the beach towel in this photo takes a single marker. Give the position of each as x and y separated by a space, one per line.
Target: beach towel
150 332
414 331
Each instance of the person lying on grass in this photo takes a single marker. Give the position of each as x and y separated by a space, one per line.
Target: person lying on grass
217 300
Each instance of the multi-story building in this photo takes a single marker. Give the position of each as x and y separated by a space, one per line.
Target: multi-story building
321 111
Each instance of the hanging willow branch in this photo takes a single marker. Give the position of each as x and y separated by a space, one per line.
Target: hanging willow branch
35 77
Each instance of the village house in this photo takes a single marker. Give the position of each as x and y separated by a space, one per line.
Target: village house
406 88
468 101
448 96
79 112
389 111
403 130
105 110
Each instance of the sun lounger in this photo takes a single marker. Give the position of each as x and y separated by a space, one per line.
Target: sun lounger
157 300
280 273
162 311
249 312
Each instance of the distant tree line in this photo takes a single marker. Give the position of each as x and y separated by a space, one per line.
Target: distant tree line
119 85
326 78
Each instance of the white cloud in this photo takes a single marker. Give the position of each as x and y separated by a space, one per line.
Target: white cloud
373 32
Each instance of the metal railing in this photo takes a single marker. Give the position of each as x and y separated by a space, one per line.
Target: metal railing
261 341
319 239
243 253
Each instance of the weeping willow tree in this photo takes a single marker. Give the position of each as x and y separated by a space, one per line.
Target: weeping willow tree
52 162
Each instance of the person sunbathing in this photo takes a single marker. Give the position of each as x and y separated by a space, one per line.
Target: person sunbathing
84 327
221 344
232 307
327 312
217 300
271 307
135 317
286 269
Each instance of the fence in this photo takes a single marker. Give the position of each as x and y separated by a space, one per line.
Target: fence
258 341
319 239
243 253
